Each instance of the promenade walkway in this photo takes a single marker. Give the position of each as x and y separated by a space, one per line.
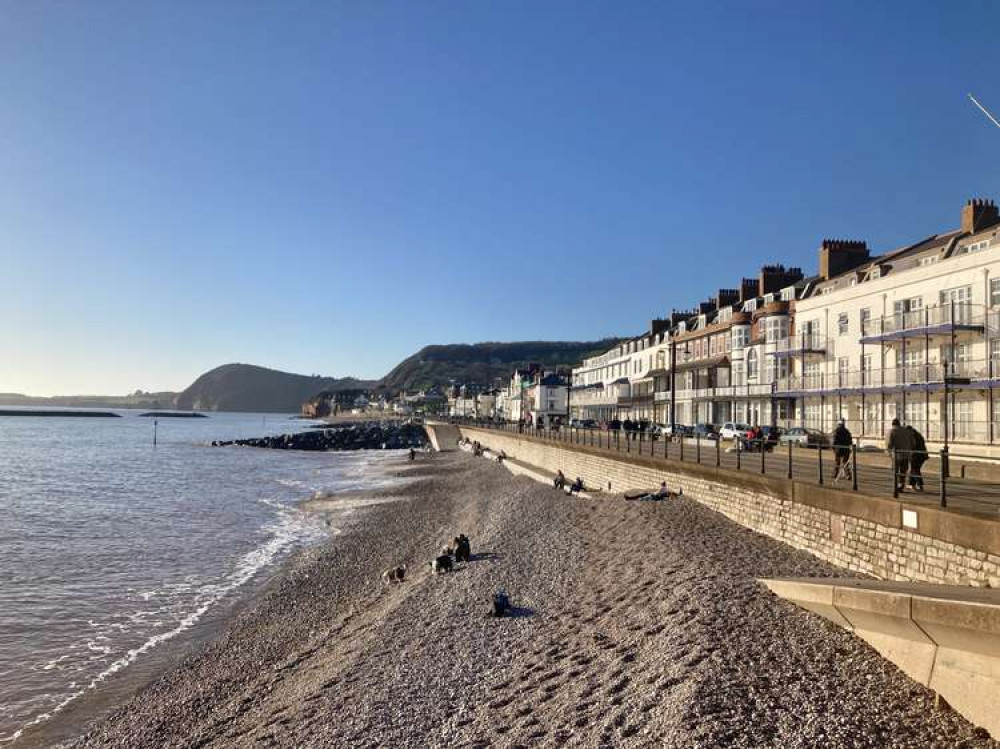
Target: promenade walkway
979 497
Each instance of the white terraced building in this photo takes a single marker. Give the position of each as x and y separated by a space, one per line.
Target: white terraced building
721 373
886 337
866 339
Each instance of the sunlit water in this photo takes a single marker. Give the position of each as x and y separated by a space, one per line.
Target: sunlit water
110 547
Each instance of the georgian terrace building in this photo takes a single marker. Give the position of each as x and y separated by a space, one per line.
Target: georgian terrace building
878 338
721 371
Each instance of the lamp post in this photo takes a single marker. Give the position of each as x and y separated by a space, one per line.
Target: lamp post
673 382
673 386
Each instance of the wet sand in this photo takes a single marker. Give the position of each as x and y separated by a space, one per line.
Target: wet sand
638 624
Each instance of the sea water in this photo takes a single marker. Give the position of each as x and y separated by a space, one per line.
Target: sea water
110 548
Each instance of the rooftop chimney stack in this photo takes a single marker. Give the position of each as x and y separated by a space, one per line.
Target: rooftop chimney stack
838 256
748 289
978 214
774 278
726 298
677 316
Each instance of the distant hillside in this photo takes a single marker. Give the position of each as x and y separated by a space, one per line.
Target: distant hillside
137 399
484 363
245 387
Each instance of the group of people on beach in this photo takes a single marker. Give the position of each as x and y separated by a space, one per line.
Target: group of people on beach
559 482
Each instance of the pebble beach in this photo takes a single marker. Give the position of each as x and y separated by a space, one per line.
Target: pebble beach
635 624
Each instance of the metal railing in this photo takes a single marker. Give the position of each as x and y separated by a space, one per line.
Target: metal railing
977 370
949 314
924 476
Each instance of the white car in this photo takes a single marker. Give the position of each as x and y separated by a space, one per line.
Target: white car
733 429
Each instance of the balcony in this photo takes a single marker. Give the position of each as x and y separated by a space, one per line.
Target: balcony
944 319
980 374
800 345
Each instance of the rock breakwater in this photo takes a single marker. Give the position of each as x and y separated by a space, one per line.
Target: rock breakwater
368 435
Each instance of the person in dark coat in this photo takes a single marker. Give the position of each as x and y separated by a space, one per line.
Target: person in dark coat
842 441
917 458
901 442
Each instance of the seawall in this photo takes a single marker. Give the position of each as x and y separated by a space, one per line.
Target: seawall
885 538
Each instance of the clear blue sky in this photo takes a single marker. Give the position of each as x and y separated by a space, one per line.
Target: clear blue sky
326 187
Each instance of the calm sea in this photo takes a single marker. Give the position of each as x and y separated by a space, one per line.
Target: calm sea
111 548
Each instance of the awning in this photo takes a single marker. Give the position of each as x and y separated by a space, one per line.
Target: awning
715 361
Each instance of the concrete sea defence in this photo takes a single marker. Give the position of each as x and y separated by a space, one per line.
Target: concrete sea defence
370 435
50 412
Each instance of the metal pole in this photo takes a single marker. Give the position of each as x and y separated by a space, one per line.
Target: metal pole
697 448
819 453
895 480
154 432
682 448
738 451
944 477
673 387
789 458
763 455
718 451
854 466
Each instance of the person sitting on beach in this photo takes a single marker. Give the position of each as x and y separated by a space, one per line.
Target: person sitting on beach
577 486
501 457
559 482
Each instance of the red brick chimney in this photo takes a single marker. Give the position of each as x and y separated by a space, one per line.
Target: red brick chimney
774 278
837 256
978 214
748 289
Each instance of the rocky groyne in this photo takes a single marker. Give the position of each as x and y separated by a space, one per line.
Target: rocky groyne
368 435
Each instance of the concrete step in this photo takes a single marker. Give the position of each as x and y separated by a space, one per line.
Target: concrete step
947 637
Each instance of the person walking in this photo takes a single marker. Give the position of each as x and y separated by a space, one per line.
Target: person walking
900 446
918 457
842 441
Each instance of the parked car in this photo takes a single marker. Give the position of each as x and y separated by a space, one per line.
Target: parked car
705 431
678 430
733 429
613 425
804 437
588 424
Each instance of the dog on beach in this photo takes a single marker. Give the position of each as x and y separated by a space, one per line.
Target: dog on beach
463 550
441 564
394 575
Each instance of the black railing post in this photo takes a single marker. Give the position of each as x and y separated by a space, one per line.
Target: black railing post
618 445
854 466
789 459
697 448
944 477
682 448
819 452
895 478
763 456
718 451
739 451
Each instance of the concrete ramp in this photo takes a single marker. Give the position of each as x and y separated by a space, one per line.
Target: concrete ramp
443 437
945 637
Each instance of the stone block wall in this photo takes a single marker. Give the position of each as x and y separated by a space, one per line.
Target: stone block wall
856 532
